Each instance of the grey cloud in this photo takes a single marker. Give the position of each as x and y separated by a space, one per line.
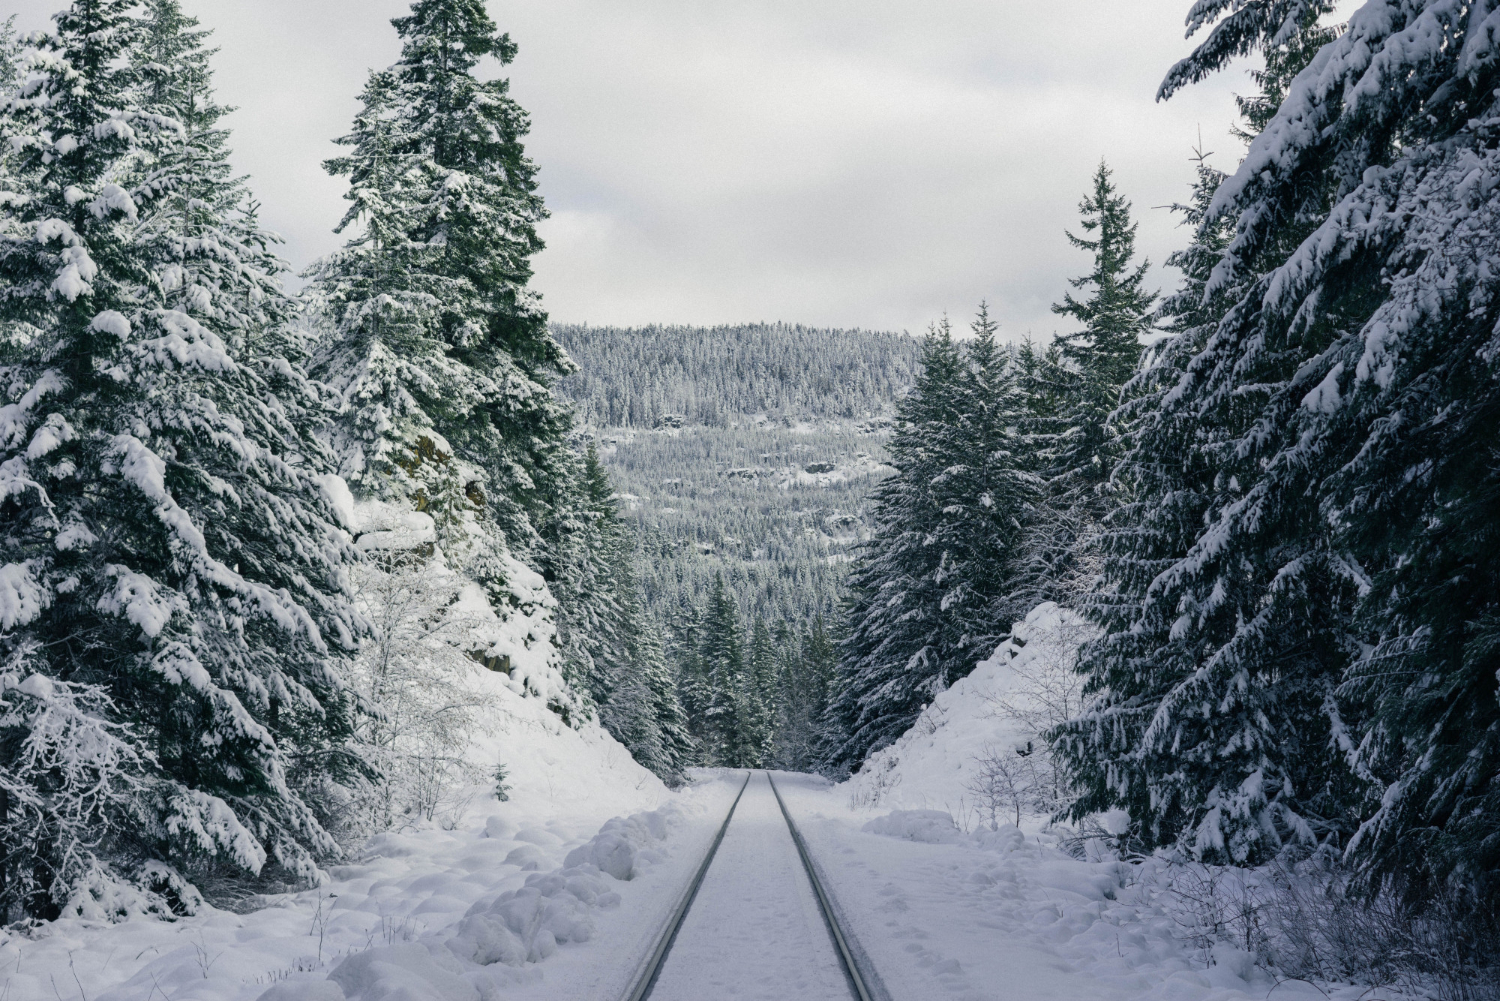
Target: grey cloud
841 163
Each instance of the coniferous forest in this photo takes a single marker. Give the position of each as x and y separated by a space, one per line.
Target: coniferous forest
259 543
1272 489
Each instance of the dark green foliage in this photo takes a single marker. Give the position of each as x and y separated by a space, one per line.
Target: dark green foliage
1298 603
1073 388
727 692
612 650
591 564
432 328
722 663
1117 310
170 562
758 696
934 589
1214 720
807 666
502 784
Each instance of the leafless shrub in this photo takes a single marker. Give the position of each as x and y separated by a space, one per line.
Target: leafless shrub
416 683
877 778
1327 925
1045 691
1210 904
1091 841
1005 782
1306 917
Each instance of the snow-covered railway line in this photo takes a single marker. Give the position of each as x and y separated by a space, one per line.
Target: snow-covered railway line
748 922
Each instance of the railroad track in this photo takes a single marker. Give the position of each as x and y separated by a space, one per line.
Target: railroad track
858 973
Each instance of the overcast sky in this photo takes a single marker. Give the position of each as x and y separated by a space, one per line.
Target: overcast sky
829 162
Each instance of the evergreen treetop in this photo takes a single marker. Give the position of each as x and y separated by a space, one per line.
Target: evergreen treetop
1117 310
434 330
226 264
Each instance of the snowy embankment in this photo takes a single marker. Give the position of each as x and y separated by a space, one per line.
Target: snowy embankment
937 764
501 899
999 914
951 898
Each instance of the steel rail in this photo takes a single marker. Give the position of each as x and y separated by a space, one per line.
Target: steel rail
645 978
862 979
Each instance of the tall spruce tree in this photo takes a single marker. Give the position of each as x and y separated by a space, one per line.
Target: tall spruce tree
1075 386
644 711
807 669
593 576
611 649
1319 662
684 651
937 583
434 332
758 697
205 213
169 561
889 666
722 666
986 498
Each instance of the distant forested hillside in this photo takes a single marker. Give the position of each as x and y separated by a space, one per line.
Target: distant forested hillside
741 502
716 376
744 455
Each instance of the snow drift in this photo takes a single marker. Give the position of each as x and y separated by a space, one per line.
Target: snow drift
1028 683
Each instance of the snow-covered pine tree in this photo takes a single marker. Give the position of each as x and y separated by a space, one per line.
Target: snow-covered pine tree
643 711
679 750
171 568
1216 672
685 654
1405 397
611 648
433 328
592 560
206 214
722 656
1075 386
889 667
12 52
758 709
807 669
985 498
438 354
1320 657
935 586
629 716
207 222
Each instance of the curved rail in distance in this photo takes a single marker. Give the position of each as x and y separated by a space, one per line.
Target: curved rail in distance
865 984
645 979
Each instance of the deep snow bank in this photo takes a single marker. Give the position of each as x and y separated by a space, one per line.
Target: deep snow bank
502 936
999 913
406 891
552 767
932 766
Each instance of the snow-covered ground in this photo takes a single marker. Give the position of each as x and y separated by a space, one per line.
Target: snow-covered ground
754 932
934 765
559 892
999 915
522 903
408 893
